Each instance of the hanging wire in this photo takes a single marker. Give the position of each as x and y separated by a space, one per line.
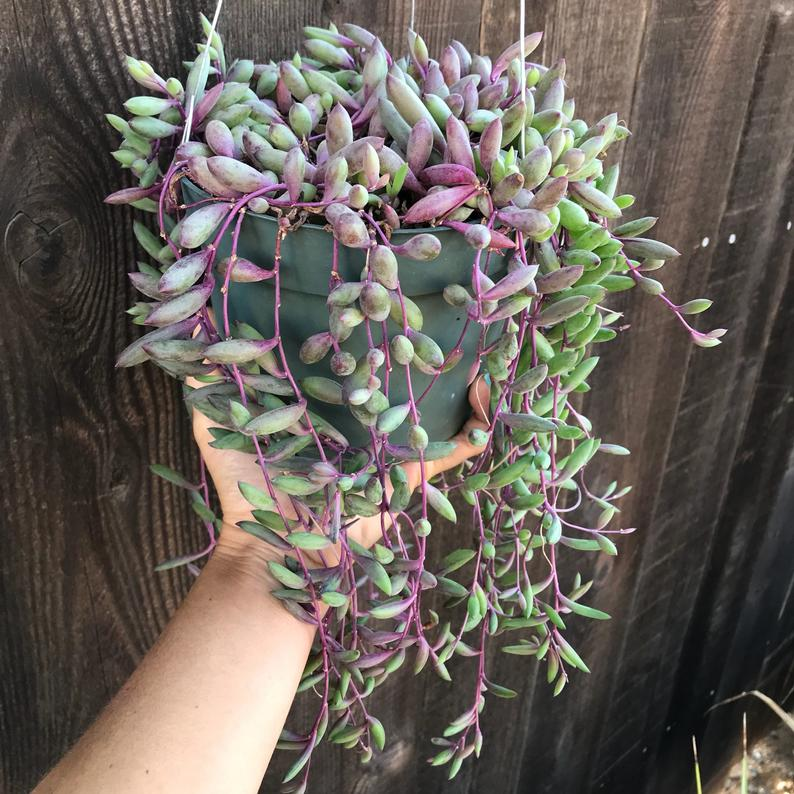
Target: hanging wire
205 67
522 18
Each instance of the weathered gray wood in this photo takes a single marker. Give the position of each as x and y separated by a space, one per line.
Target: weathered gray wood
83 522
735 412
690 457
706 89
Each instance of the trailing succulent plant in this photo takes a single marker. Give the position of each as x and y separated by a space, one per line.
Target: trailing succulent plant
349 136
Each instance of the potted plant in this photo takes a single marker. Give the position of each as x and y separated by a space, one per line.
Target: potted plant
372 232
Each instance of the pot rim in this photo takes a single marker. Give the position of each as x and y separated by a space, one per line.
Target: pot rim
440 229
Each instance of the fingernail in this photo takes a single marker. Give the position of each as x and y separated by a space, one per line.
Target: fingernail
487 378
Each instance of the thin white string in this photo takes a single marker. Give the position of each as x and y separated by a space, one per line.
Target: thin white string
413 13
523 77
191 100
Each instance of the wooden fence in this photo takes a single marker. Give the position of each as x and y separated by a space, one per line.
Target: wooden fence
700 596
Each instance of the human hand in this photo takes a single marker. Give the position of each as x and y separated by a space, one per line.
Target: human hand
228 467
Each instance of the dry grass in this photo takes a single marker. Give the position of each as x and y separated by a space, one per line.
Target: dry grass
769 767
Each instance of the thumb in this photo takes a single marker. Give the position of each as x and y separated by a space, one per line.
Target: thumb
479 398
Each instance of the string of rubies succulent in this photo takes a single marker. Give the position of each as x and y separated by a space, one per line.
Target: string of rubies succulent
367 143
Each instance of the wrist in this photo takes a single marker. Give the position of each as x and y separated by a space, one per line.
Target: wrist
245 558
239 551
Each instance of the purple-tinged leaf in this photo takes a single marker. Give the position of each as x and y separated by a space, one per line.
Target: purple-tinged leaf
498 239
129 194
177 562
219 138
512 283
531 222
420 145
181 307
244 271
184 272
183 369
490 144
135 354
561 310
531 43
267 384
372 660
197 227
507 308
200 174
275 420
146 285
458 144
294 170
421 247
175 350
206 103
238 351
351 231
436 205
559 279
643 248
710 339
391 609
288 447
549 195
174 477
301 614
448 174
236 175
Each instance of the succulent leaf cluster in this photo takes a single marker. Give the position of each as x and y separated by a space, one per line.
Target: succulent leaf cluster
350 137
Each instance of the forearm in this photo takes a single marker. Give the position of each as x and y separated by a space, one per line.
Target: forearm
204 710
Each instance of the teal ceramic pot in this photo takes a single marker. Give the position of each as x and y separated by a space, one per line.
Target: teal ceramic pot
306 256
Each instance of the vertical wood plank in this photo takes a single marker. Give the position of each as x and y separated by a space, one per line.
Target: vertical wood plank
83 522
753 267
687 120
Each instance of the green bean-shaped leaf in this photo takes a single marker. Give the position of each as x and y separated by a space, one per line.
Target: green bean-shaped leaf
197 227
528 422
440 503
583 610
562 309
256 497
393 417
295 486
391 609
591 198
264 533
287 577
276 420
323 389
308 540
376 573
238 351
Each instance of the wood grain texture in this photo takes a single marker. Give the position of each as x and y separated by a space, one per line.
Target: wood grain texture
83 522
757 244
692 424
701 596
